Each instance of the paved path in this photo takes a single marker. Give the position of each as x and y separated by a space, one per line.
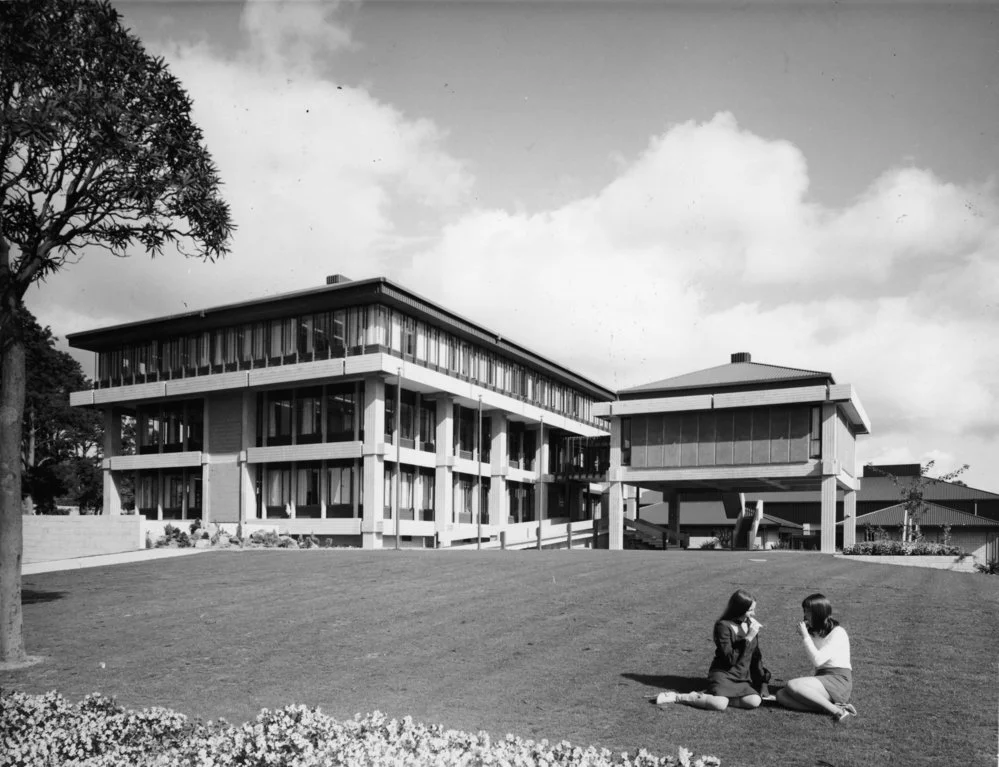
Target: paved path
102 560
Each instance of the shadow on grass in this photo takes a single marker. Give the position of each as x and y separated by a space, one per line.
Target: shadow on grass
31 597
685 683
670 682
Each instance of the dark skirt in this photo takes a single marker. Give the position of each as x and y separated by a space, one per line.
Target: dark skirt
838 683
722 683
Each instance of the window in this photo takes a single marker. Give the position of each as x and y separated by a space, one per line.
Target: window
428 426
173 427
407 419
279 418
309 405
389 499
193 485
307 492
278 491
173 503
340 413
307 336
427 494
408 336
815 441
389 412
407 480
149 430
339 487
194 423
626 442
148 495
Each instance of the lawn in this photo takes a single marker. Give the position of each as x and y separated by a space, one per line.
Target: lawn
554 644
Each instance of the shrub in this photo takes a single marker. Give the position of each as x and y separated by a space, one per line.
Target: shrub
989 568
899 548
711 543
46 729
174 536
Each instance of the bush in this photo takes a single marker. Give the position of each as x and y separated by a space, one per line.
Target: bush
989 568
174 536
898 548
46 729
711 543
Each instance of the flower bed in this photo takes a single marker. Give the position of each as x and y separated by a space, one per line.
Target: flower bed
47 729
898 548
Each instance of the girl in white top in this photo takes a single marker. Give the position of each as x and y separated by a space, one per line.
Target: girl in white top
828 690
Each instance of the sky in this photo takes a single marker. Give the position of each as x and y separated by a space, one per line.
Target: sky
635 190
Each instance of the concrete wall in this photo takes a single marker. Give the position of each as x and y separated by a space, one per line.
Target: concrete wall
47 538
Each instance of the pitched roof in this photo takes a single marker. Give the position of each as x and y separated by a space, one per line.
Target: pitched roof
934 516
732 374
882 489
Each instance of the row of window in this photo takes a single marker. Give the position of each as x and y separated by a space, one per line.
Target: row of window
331 413
170 427
172 494
327 335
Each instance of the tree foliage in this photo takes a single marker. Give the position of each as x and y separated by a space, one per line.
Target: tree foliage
912 492
97 143
98 150
61 446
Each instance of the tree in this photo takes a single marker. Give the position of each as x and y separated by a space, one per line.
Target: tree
98 150
60 445
912 491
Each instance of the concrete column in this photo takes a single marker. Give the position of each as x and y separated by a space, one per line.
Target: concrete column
849 518
499 467
673 505
828 535
112 447
829 470
373 452
540 467
630 501
615 517
443 477
755 528
246 473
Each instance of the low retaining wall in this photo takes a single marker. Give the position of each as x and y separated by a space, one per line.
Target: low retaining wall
48 538
957 564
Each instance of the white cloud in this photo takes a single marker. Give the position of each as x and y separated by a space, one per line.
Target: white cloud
708 244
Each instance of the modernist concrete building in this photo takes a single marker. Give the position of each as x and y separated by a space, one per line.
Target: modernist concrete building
357 411
735 429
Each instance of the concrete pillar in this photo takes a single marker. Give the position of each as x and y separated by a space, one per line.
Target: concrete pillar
829 468
246 473
112 447
615 517
373 452
499 467
849 518
673 506
755 528
828 534
540 487
443 476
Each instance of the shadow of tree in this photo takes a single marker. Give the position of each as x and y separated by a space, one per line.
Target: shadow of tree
31 597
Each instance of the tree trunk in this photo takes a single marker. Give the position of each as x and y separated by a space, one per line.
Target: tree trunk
12 393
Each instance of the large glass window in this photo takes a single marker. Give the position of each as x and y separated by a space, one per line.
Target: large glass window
173 502
626 442
279 418
339 491
309 404
307 492
150 426
815 439
147 494
340 411
427 492
407 419
277 493
390 410
428 426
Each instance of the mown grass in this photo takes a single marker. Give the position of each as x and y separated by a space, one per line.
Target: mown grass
555 644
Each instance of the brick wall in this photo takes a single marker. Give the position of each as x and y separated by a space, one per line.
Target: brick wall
48 538
223 490
225 424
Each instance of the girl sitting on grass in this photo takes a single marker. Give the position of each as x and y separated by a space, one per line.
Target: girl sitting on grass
828 690
736 676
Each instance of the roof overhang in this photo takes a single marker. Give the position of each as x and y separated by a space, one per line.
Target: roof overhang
843 395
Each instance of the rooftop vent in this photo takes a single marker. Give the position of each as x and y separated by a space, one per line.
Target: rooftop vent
336 279
742 357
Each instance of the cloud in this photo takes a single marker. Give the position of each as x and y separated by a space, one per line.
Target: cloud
319 174
708 243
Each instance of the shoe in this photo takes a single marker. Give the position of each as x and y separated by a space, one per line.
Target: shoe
845 710
666 697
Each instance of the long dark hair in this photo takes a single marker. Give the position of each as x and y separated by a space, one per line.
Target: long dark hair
738 605
820 610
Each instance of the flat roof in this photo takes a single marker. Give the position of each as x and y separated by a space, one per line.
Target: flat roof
326 298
